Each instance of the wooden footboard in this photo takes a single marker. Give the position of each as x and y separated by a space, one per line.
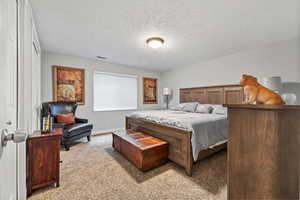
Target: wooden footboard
180 147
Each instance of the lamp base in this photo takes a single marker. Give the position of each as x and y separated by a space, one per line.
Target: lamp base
289 98
167 102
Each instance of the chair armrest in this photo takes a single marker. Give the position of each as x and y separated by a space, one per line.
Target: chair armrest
57 125
79 120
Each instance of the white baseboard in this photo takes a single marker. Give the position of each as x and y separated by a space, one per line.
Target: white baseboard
106 131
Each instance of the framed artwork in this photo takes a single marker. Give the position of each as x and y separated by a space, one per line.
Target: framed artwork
149 90
68 84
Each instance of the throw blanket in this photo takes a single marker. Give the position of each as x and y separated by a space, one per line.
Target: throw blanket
207 130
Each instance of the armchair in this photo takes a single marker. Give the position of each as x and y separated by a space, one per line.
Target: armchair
71 132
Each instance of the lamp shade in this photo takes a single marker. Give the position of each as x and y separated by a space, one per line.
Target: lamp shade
167 91
273 83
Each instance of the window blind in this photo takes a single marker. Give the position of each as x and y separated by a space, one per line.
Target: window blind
115 91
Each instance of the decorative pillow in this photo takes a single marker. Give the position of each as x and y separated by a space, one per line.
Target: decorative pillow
190 107
178 107
219 109
65 119
204 108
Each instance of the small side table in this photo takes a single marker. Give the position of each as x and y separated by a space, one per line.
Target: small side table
43 159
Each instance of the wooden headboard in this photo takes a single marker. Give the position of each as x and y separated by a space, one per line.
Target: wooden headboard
222 94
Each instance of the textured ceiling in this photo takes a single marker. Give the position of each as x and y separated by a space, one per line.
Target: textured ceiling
193 30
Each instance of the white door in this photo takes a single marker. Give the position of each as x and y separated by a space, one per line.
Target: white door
8 99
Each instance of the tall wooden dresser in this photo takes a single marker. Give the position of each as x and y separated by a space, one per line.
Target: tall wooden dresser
43 159
264 152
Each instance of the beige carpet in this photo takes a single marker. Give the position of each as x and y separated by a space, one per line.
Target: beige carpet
95 171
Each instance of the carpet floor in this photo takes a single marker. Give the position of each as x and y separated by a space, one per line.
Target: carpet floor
94 171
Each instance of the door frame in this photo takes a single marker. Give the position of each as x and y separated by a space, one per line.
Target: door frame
25 91
21 119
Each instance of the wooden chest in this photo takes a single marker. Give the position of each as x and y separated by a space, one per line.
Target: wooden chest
144 151
43 159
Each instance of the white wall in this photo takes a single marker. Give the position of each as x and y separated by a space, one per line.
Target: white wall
280 59
101 120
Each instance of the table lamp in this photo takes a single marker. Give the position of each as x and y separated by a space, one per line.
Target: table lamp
273 83
167 92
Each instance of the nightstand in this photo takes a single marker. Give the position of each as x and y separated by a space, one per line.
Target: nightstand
43 159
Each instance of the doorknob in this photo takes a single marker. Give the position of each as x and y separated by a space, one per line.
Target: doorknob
9 123
17 136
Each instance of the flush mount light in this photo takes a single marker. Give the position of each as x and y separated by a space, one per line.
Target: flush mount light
155 42
101 57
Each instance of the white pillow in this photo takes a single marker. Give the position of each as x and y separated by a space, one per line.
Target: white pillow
187 107
219 109
204 108
178 107
190 107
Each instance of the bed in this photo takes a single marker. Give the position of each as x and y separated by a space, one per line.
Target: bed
179 138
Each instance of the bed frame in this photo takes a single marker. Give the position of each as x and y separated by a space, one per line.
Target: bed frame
180 148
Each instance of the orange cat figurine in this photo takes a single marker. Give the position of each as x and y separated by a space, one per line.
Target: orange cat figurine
257 94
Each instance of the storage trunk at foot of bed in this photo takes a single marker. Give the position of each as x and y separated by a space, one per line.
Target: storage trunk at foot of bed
179 140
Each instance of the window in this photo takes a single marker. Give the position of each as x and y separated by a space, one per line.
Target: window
115 91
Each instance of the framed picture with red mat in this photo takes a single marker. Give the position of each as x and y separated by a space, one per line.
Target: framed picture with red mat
68 84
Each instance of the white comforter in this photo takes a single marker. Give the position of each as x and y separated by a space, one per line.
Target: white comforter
207 129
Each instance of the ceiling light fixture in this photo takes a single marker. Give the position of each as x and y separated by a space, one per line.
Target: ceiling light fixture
155 42
101 57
